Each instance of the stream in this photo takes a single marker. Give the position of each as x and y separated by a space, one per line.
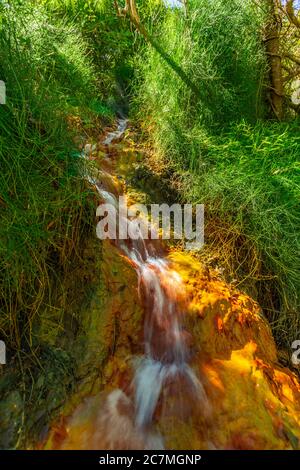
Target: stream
165 365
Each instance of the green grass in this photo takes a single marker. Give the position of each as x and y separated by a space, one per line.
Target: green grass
49 78
245 170
109 40
249 183
63 63
219 48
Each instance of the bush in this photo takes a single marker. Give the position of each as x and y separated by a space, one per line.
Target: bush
219 48
244 170
48 78
249 184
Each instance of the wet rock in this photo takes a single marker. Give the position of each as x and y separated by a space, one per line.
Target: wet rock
255 402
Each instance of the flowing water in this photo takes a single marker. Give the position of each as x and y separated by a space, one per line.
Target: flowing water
162 378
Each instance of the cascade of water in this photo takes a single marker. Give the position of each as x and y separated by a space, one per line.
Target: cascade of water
122 124
166 352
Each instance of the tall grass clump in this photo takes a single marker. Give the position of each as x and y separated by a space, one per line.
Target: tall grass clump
49 78
245 170
218 47
110 42
249 184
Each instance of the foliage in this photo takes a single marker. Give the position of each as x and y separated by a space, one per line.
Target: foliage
244 170
48 78
218 47
249 183
110 44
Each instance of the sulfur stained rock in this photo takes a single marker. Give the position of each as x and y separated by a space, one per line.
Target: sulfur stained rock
230 319
255 403
113 327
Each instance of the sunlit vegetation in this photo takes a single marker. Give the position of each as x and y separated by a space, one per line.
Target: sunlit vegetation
48 78
210 87
56 97
230 156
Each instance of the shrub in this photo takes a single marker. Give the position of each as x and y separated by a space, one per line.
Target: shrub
243 169
48 78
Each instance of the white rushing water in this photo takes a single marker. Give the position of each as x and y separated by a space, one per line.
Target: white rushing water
117 134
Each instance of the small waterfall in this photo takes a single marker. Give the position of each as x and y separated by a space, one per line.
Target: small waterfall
117 134
165 364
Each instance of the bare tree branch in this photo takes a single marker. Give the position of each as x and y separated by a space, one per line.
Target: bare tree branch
290 10
273 51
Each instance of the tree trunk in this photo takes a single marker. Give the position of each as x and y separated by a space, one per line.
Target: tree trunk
274 58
